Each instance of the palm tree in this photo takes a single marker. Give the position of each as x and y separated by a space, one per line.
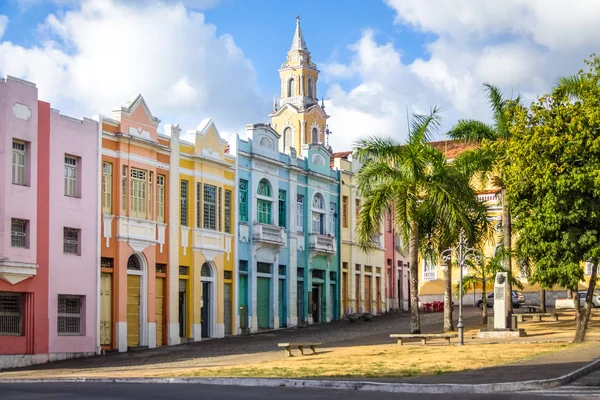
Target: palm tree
497 134
411 179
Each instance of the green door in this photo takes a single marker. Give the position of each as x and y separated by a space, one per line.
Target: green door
243 300
282 313
263 296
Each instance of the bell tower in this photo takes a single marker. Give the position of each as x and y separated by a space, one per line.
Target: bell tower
297 116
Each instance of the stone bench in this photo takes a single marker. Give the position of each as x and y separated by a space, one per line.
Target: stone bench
423 336
300 346
532 308
536 317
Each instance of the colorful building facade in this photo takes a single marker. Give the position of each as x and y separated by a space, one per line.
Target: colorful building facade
48 232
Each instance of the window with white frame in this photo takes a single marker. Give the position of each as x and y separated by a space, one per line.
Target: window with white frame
264 203
288 138
160 198
210 207
429 270
138 193
124 190
70 315
332 218
71 176
227 211
106 188
318 214
198 205
150 193
19 158
184 203
588 268
11 314
71 238
300 213
18 233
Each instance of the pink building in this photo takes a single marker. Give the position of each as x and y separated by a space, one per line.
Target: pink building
49 205
397 271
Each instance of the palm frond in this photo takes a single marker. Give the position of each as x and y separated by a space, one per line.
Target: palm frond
471 130
422 127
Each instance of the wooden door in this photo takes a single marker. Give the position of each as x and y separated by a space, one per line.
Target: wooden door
368 294
344 293
106 309
160 298
378 298
133 310
228 305
357 294
263 296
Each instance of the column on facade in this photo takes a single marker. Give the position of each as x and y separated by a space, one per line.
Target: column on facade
303 139
275 288
173 275
292 270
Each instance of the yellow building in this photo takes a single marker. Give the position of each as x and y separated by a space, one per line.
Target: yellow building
206 293
363 273
298 117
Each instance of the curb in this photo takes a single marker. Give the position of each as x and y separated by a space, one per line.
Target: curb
442 388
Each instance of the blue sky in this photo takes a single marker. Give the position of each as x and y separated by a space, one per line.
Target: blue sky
193 59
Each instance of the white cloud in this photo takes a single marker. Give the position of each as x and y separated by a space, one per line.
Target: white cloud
99 55
3 24
520 45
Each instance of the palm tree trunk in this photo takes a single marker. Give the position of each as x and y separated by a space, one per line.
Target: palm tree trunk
543 300
484 313
413 250
584 316
448 323
507 228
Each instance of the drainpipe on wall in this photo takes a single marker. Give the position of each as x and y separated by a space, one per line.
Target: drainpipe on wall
98 230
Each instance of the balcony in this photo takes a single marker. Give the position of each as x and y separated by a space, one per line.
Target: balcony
322 243
211 243
269 234
430 274
139 233
14 272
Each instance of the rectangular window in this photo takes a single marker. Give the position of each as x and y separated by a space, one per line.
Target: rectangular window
184 203
300 213
264 211
70 312
150 194
198 205
71 176
124 190
19 157
160 198
138 193
210 207
11 314
345 211
243 266
18 233
243 200
282 221
318 223
107 188
220 220
71 241
228 211
332 218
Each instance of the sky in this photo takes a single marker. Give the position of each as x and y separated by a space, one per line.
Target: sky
380 60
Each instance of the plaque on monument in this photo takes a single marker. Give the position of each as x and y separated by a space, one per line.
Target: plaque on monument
499 304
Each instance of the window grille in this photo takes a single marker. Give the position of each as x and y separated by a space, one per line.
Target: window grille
106 188
161 268
317 274
243 187
18 162
282 198
263 268
18 233
300 213
205 270
11 314
243 266
300 273
264 188
227 275
70 311
198 205
71 241
71 176
184 203
184 270
228 211
160 198
282 270
133 263
210 207
106 262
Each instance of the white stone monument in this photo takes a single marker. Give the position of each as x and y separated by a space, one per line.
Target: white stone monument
499 302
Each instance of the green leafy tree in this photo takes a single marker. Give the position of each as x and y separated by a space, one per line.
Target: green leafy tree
411 179
553 185
494 138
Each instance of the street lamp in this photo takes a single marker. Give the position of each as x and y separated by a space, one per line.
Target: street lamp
464 253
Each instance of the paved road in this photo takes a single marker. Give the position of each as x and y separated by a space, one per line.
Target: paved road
119 391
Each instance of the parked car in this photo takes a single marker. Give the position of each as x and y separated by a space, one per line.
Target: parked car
517 300
595 299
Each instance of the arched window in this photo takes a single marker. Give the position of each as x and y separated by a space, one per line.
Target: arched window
288 138
264 202
291 87
133 263
315 135
205 270
318 214
310 89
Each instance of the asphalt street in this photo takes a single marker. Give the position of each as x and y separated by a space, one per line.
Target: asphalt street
125 391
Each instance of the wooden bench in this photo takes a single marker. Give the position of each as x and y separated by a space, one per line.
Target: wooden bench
300 346
423 336
536 317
